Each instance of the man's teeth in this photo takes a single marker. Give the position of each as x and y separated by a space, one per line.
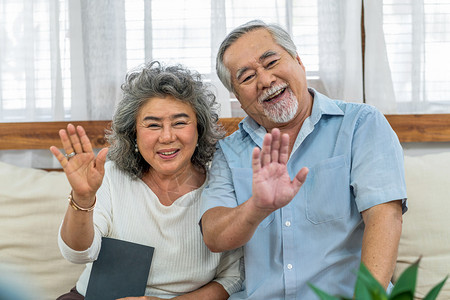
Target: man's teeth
276 94
169 153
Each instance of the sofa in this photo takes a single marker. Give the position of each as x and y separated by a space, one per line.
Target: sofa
33 203
32 206
426 225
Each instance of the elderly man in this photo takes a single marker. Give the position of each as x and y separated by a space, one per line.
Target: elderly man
308 185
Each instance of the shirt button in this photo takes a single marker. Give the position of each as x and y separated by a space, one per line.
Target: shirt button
289 266
287 223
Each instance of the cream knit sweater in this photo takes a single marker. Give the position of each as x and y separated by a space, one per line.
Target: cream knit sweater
127 209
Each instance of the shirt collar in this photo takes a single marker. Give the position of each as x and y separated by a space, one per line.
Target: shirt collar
323 105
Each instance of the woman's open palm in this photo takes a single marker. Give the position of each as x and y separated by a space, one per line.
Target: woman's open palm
83 170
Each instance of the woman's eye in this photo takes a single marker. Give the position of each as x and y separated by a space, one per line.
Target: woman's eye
180 123
153 126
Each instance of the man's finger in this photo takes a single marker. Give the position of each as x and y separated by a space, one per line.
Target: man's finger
266 150
275 151
284 149
300 178
256 162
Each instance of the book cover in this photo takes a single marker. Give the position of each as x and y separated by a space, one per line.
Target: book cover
121 270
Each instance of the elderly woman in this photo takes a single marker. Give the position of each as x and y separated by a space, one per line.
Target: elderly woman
163 136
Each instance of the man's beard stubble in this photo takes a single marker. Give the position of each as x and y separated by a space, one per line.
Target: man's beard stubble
282 111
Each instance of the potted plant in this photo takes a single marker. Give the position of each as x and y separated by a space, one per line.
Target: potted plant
368 288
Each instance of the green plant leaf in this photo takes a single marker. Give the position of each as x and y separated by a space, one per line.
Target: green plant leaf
367 287
322 295
402 296
435 290
406 283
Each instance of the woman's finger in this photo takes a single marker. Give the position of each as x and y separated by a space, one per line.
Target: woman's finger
74 139
59 156
99 161
84 139
65 140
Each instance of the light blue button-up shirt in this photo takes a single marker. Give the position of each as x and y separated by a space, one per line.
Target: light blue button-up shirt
355 161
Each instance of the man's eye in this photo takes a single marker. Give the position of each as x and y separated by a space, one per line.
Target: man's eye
271 63
247 78
153 125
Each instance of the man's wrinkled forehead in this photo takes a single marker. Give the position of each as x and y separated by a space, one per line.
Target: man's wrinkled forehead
243 52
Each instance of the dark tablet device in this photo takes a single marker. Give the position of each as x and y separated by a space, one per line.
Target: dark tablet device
121 270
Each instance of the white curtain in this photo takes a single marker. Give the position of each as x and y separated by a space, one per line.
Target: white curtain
65 60
100 54
340 54
60 60
406 55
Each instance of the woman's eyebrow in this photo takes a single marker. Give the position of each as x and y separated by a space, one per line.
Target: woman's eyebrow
180 115
151 118
172 117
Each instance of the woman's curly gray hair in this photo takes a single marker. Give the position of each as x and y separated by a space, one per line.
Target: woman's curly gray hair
155 80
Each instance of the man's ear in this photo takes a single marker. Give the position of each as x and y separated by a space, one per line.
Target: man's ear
235 93
300 62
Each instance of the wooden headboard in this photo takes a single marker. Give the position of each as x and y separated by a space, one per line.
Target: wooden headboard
41 135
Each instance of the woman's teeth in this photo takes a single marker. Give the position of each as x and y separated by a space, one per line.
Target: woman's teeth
168 153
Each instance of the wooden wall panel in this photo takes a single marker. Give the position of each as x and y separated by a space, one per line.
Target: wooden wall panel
421 128
42 135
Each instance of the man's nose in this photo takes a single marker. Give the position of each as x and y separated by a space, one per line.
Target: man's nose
265 79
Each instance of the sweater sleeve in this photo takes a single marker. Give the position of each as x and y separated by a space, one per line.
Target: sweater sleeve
80 257
230 272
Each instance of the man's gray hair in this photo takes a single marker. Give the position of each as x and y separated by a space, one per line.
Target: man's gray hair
153 80
280 36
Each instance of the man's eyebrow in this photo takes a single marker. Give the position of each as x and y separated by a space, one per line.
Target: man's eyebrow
240 72
265 55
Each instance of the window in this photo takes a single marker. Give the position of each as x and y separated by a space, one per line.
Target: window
33 48
417 40
58 62
44 70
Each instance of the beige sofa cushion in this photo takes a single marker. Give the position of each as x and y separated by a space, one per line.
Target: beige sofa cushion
33 203
426 225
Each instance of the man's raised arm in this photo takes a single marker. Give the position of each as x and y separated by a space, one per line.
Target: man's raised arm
229 228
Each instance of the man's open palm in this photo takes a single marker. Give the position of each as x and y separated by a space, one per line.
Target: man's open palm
272 186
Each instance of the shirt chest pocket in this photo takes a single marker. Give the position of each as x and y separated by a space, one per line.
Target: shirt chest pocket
327 191
242 181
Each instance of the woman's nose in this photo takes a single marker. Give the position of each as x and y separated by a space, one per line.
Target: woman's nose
167 135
